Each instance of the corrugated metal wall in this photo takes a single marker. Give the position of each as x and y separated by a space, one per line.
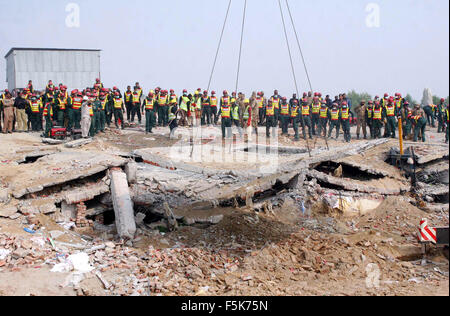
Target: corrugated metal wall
75 69
10 74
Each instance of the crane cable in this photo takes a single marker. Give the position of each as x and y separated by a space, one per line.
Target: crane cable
299 46
220 43
288 47
240 47
292 66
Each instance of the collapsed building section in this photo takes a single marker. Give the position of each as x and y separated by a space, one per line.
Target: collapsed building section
190 183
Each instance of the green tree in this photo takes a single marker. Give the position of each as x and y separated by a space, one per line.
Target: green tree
410 99
358 97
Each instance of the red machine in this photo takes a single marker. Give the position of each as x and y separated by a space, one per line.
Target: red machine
58 133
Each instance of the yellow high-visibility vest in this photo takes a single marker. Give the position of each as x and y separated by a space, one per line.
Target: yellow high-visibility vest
104 103
77 101
305 110
45 113
335 114
118 103
162 101
260 102
390 110
276 103
246 115
294 111
345 114
284 109
270 110
316 108
323 112
213 101
184 103
35 106
149 104
377 114
136 98
173 99
226 111
128 96
226 101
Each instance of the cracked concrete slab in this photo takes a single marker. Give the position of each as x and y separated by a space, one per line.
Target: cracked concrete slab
56 169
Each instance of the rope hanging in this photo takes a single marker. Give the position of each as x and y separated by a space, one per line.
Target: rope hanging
218 47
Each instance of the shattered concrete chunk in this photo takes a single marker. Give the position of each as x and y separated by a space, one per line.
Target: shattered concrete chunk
123 206
7 211
78 143
86 193
4 195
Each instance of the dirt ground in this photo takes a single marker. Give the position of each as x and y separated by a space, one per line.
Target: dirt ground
284 252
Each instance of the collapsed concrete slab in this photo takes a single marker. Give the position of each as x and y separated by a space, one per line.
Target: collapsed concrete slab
384 186
123 206
56 169
85 193
37 206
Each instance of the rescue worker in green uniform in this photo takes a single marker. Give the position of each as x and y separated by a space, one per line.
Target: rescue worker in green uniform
345 121
103 111
206 109
419 117
61 101
118 109
448 125
369 118
323 120
406 115
295 116
285 116
377 119
441 115
225 113
136 108
47 113
235 116
150 117
390 117
163 109
271 122
334 117
77 101
173 123
96 121
35 107
306 118
315 115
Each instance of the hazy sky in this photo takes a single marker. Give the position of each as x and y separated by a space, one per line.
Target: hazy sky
172 43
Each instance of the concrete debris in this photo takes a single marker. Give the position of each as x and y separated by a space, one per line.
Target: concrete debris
8 211
52 141
4 195
138 222
173 224
57 169
78 143
123 206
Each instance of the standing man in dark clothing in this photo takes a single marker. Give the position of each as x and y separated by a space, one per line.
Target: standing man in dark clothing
21 105
136 108
128 98
345 121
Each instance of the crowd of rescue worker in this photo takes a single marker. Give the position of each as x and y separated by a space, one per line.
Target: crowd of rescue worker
94 109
